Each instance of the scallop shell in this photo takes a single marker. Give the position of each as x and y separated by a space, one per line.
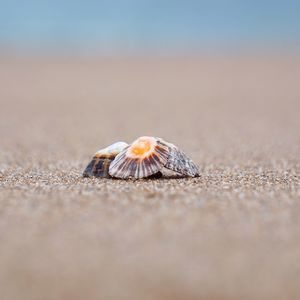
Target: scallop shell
146 156
179 162
99 165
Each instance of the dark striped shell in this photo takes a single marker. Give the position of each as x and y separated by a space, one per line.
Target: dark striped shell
125 165
180 163
99 165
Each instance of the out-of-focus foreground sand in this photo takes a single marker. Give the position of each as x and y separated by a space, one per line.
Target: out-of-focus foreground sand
233 233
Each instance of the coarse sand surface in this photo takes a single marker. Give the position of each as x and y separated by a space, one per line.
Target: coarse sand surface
233 233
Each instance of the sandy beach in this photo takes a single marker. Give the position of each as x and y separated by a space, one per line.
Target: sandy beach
233 233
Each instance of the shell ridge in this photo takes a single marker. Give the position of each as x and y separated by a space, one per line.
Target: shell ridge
179 162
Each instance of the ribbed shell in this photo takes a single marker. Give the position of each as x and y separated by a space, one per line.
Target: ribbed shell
180 163
98 167
124 166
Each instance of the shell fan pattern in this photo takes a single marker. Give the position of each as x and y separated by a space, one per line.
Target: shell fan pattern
144 157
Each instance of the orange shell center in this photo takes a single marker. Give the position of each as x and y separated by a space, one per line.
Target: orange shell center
141 147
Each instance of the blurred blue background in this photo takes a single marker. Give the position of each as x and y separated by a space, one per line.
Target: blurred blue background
134 25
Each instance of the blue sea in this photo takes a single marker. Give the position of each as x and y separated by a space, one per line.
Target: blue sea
143 25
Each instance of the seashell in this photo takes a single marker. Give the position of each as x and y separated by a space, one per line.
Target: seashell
146 156
180 163
99 165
